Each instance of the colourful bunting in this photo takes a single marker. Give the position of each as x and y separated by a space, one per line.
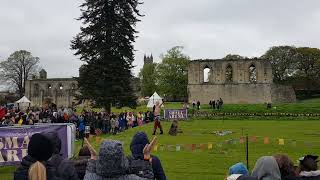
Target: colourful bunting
178 148
171 148
193 147
162 147
242 140
155 148
98 141
281 142
219 145
202 147
187 147
253 139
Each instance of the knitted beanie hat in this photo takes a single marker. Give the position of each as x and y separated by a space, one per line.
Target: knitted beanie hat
40 147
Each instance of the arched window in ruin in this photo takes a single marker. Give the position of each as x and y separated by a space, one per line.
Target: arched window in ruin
229 74
206 74
252 74
49 89
36 90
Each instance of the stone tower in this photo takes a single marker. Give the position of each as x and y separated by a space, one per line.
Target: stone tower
43 74
148 59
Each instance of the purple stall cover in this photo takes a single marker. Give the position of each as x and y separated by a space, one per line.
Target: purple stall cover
179 114
14 141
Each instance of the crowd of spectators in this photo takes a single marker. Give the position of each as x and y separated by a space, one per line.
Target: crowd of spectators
107 123
44 161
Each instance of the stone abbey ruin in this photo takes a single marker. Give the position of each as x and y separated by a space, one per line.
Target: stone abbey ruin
247 81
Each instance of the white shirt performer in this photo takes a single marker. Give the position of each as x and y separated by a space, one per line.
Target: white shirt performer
156 112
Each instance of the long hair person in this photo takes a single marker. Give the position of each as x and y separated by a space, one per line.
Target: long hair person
37 171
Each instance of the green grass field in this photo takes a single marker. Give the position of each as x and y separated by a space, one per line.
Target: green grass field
301 137
213 164
302 106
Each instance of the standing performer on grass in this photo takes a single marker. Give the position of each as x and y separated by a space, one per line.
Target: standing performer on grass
156 112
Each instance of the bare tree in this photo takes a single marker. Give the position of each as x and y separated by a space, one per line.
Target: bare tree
18 68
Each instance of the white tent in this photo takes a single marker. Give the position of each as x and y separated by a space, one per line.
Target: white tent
153 99
23 103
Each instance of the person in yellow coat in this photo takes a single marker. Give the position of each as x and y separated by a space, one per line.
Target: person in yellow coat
20 121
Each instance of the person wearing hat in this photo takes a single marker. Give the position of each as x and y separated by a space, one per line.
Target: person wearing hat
239 172
65 169
309 168
34 166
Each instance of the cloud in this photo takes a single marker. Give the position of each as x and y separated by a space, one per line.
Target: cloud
206 28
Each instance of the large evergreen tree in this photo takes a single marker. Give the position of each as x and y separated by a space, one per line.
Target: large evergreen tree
105 44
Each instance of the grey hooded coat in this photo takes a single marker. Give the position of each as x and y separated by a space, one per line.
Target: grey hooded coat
111 164
266 168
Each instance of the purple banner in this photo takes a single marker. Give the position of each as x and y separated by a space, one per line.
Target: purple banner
14 141
179 114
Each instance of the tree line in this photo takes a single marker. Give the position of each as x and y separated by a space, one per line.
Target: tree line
169 77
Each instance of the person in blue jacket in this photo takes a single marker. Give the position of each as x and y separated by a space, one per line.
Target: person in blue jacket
138 142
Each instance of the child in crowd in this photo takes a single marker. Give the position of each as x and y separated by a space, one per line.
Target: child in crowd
113 125
139 119
130 120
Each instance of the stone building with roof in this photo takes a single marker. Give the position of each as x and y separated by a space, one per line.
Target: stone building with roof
45 91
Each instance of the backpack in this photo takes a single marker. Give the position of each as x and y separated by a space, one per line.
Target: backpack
140 168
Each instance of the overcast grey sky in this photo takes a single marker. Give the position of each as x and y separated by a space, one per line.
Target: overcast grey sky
206 28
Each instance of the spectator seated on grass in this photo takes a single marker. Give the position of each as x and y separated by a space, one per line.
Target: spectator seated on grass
174 128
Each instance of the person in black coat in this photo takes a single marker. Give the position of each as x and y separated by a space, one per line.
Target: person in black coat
39 151
309 168
81 163
138 142
65 169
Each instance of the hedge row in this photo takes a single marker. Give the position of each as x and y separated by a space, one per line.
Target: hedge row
208 114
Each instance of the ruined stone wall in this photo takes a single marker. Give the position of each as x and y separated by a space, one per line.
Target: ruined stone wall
59 91
282 94
231 93
241 89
